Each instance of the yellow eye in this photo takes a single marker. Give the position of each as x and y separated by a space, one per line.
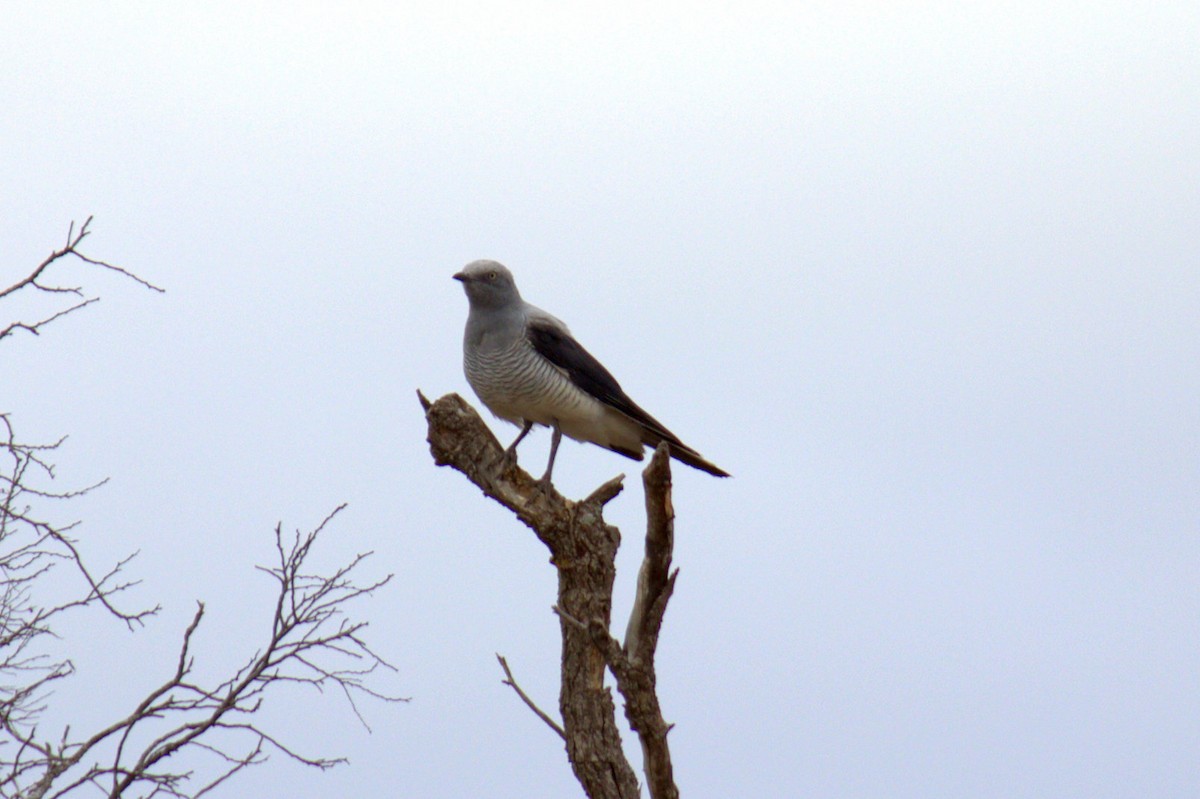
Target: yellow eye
491 275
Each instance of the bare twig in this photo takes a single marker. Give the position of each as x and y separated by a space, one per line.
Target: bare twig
28 543
511 682
35 281
311 642
29 550
154 749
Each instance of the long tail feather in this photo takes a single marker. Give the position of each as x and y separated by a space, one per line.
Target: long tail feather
683 453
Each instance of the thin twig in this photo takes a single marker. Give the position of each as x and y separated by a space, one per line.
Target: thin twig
34 282
511 682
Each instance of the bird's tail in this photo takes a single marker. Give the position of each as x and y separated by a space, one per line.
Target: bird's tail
683 453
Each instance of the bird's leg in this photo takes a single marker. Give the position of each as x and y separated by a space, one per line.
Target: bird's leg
510 454
544 480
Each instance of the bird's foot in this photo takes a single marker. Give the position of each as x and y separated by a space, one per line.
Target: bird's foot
543 487
509 459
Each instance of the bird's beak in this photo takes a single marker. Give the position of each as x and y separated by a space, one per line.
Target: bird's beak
460 276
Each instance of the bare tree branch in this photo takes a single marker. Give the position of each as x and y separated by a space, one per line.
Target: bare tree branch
583 549
634 667
34 281
30 549
310 641
185 737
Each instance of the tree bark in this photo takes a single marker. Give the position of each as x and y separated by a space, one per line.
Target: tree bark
583 549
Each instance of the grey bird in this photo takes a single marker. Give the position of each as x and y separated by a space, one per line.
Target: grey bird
528 369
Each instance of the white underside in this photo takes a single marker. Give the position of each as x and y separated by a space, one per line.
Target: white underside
582 418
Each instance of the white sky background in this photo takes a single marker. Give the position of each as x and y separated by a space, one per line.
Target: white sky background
925 279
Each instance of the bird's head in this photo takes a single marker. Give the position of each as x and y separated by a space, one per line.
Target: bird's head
488 284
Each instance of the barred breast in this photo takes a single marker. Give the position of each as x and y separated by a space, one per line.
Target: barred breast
516 383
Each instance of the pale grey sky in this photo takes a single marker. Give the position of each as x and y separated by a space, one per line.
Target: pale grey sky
924 277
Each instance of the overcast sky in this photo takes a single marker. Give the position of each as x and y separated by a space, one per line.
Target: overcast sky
923 277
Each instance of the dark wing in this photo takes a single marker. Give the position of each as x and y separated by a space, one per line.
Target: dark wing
560 348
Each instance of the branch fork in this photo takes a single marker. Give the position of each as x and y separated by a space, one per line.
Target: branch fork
583 549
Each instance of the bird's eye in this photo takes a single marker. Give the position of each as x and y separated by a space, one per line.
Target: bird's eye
491 275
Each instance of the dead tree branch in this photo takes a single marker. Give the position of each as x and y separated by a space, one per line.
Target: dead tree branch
30 550
187 736
634 665
583 549
31 546
310 641
38 281
511 682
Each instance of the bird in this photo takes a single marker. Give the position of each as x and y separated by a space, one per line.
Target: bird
528 369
